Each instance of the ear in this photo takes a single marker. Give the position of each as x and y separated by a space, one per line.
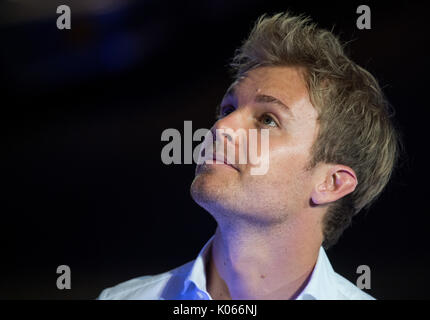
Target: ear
337 183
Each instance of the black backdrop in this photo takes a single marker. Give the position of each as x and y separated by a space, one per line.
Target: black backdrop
83 111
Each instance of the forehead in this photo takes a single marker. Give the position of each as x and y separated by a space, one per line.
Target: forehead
282 82
286 83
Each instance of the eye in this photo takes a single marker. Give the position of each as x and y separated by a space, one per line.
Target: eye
226 110
268 120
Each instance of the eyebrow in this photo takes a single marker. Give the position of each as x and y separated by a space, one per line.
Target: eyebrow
262 98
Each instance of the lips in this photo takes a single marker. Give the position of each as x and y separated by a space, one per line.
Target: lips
220 159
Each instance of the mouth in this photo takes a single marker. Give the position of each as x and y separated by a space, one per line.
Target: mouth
222 160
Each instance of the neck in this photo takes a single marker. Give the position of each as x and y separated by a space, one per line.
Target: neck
262 263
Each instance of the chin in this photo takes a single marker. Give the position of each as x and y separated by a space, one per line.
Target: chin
226 203
215 192
206 189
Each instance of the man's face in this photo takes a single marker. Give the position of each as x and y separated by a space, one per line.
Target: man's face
276 99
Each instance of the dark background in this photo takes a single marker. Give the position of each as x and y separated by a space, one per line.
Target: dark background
82 115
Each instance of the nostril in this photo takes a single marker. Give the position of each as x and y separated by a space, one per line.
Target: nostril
229 137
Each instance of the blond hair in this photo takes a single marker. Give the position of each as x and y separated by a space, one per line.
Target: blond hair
356 127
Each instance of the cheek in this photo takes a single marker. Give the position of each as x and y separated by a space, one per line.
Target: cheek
286 158
286 162
286 169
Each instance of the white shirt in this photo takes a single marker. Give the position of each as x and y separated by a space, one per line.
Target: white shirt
188 282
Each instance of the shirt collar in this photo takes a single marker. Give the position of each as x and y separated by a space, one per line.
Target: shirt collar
197 273
319 286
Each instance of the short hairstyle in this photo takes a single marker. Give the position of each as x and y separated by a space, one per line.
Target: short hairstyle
355 119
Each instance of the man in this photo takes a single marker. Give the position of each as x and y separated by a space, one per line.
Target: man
332 151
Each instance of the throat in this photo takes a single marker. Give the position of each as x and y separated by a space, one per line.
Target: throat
215 285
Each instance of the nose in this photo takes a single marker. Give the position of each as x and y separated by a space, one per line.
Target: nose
229 128
230 135
223 134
